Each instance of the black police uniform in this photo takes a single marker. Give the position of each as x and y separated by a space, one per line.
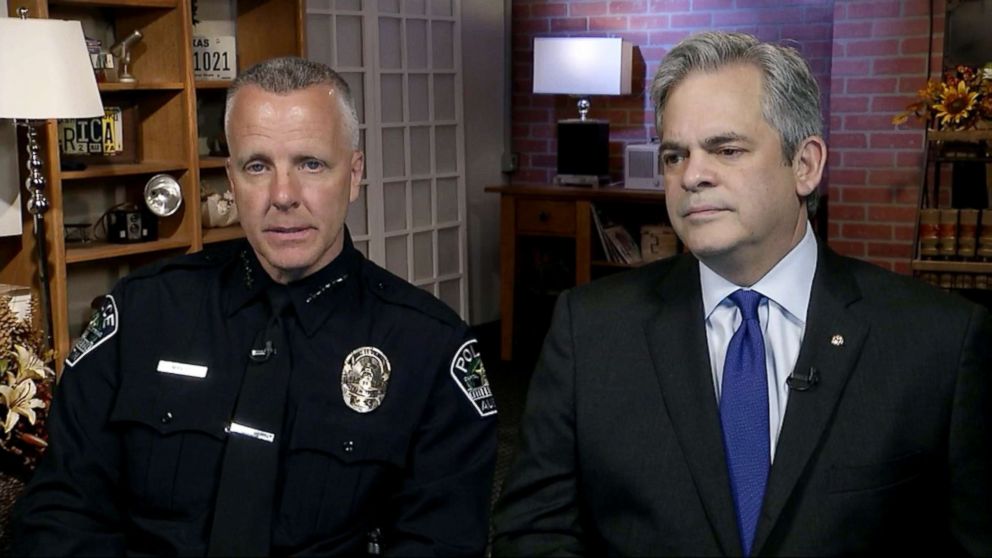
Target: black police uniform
136 452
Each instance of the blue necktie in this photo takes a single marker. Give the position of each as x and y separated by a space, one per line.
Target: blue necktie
744 416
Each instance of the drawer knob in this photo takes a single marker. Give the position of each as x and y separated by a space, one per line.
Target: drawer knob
544 216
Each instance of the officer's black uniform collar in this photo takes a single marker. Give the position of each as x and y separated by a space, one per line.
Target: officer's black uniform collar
313 296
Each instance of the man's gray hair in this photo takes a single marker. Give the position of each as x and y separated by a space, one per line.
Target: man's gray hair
791 96
291 73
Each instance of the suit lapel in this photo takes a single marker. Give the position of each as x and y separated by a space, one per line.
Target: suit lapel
676 338
809 412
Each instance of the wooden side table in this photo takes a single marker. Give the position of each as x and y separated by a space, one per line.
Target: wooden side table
554 211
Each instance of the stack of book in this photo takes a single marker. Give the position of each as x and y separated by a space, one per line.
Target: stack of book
618 245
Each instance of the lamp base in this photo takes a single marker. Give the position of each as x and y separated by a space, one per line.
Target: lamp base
581 179
583 151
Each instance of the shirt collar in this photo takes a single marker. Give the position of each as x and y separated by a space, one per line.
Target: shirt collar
314 296
788 283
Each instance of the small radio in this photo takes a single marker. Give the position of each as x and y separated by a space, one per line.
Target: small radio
641 170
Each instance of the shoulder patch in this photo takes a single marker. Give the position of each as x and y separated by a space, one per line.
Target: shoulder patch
470 375
102 326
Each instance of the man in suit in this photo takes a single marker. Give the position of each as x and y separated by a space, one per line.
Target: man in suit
762 395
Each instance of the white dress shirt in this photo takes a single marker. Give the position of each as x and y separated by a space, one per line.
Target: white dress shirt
782 315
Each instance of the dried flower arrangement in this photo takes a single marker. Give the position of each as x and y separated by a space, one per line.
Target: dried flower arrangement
26 382
962 100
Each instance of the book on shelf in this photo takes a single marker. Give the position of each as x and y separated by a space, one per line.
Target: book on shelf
20 299
618 244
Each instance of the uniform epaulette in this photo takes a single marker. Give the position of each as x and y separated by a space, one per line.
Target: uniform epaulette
394 290
212 256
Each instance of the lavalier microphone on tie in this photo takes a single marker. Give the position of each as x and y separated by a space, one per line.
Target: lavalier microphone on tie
263 354
805 382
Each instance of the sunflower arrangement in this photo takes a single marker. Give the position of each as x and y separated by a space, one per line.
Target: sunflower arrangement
25 389
961 100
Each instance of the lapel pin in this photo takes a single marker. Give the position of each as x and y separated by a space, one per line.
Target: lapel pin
837 340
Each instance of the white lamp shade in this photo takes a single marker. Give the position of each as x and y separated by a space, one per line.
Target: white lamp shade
582 65
45 71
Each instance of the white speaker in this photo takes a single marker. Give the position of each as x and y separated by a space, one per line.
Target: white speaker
641 169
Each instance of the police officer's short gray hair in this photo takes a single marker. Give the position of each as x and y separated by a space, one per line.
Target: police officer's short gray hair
291 73
791 96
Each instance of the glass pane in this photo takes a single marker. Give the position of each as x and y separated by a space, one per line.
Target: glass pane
320 48
445 154
441 8
393 155
415 7
450 293
418 97
428 288
394 194
442 37
392 97
357 85
420 150
349 41
422 203
358 218
389 6
396 256
416 44
444 97
363 247
447 200
448 252
313 5
390 57
423 255
355 5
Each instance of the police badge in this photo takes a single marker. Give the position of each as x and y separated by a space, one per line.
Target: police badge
364 379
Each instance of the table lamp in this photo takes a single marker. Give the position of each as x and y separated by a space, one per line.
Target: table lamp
582 66
45 73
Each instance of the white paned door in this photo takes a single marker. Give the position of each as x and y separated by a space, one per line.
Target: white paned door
402 59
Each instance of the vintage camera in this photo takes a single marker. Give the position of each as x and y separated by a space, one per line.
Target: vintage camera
131 224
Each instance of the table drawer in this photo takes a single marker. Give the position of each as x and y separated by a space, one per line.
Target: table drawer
546 217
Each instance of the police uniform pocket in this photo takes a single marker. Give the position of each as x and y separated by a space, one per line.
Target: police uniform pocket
172 446
336 473
876 476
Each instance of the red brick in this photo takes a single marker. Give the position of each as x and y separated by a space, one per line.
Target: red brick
902 267
872 85
915 65
846 212
668 37
909 160
904 232
531 115
889 103
898 177
807 31
911 84
897 140
531 145
813 14
519 11
865 194
548 10
848 247
905 27
651 22
870 122
668 6
890 250
608 23
906 194
531 26
699 5
866 231
587 8
628 7
694 20
872 9
848 140
848 176
569 24
850 66
918 7
914 45
544 161
532 176
849 30
873 47
840 11
896 213
848 104
869 159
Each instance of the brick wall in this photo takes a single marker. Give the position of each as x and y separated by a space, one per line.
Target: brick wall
869 56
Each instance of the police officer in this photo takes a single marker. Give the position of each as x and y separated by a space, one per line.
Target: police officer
281 396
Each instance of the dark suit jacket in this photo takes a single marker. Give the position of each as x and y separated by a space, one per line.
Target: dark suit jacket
621 450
